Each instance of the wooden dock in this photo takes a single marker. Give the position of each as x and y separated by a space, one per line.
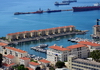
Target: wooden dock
46 37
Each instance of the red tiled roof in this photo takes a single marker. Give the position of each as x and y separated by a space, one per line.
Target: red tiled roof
10 56
76 46
58 48
18 50
44 61
89 43
29 68
34 63
8 65
96 25
40 30
24 58
3 44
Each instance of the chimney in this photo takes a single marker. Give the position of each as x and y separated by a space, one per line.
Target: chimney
97 21
61 46
54 44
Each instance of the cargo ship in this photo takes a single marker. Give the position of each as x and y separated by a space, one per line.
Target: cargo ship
36 12
87 8
69 1
49 11
62 3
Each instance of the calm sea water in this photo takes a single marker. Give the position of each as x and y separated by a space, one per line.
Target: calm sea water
10 23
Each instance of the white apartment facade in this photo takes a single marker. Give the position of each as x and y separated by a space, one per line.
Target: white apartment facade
58 53
80 50
25 61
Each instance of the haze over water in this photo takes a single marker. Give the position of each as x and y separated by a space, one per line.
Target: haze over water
10 23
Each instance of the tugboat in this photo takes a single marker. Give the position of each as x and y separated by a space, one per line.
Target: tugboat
87 8
49 11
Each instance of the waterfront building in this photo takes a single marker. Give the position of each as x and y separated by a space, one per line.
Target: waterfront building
96 30
75 63
25 61
57 53
37 33
91 45
80 50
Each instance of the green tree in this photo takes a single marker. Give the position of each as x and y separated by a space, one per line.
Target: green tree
1 60
21 67
60 64
95 55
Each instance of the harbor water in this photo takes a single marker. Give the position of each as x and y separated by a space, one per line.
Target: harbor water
10 23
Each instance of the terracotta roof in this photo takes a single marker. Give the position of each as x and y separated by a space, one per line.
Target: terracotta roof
76 46
3 44
44 61
29 68
8 65
40 30
18 50
10 56
34 63
24 58
96 25
58 48
89 43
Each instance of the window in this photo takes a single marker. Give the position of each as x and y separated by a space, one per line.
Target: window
10 52
16 54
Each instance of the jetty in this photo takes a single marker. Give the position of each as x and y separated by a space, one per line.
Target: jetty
39 49
78 39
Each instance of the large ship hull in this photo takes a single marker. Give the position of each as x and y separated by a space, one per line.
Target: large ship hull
49 11
86 8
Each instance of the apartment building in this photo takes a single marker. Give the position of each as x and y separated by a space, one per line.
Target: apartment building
58 53
91 45
80 50
75 63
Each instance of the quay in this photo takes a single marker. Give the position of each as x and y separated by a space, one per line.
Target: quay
43 34
78 39
39 49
